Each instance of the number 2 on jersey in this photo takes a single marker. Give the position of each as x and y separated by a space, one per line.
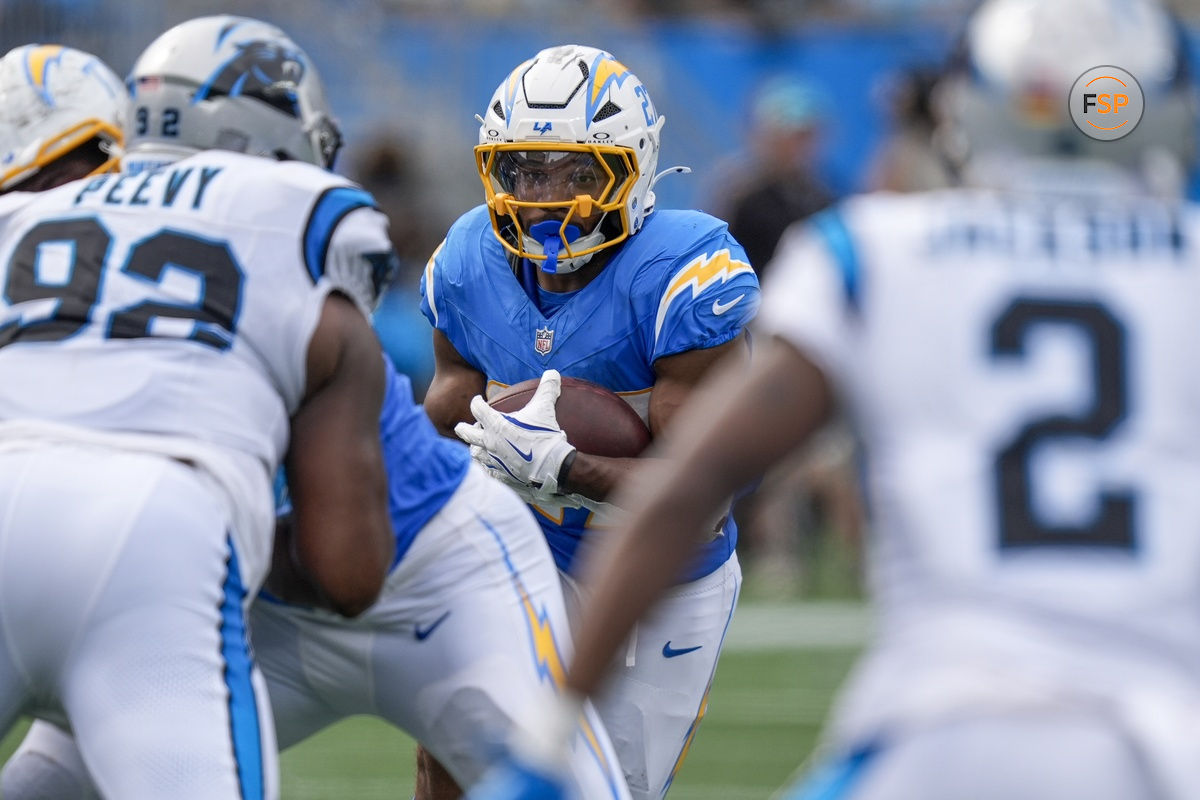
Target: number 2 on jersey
1112 526
214 314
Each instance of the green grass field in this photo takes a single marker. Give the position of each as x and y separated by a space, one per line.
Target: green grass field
782 664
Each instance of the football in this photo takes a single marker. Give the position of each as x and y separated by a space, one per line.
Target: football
596 420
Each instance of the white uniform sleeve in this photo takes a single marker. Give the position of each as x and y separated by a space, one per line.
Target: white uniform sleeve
347 252
360 261
809 299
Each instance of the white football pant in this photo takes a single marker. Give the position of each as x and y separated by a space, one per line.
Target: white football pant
657 694
466 640
122 614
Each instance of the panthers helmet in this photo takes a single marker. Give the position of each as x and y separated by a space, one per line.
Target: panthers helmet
229 83
53 100
573 111
1009 93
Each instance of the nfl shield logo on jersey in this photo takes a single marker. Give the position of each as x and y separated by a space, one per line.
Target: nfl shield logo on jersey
543 340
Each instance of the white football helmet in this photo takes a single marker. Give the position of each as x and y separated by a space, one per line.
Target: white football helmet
1009 96
229 83
54 99
576 116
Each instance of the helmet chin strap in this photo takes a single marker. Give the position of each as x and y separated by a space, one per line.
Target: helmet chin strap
547 238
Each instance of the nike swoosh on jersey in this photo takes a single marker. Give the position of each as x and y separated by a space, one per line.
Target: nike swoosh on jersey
422 634
720 308
527 456
671 652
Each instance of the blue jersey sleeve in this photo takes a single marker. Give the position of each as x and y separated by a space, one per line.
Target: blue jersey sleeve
441 294
431 292
455 297
707 298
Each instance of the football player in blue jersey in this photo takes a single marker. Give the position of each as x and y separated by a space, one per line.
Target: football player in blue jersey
569 269
470 630
1016 354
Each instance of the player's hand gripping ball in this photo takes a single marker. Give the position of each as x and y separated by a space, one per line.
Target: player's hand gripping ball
596 420
525 447
527 431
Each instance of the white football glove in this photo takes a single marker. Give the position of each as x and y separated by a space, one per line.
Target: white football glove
527 445
527 492
606 514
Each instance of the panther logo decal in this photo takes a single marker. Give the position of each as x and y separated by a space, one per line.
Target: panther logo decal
264 70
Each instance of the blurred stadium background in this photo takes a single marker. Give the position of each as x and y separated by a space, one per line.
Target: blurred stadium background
406 78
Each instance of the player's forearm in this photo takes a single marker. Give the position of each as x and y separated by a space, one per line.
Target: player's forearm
341 532
446 404
347 556
455 382
596 476
733 431
672 504
287 580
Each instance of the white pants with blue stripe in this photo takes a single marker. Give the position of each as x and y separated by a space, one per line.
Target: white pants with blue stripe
467 638
122 615
657 695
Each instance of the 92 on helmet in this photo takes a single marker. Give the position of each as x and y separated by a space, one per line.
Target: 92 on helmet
573 132
230 83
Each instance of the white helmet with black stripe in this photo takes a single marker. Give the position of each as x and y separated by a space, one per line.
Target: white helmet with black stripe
229 83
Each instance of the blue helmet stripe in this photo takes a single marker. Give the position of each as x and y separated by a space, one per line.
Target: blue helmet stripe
224 34
206 87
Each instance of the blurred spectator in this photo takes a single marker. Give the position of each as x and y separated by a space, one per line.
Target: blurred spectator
896 10
908 161
776 182
811 501
386 167
801 530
